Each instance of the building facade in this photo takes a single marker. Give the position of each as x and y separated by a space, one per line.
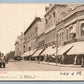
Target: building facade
19 45
54 14
64 28
35 29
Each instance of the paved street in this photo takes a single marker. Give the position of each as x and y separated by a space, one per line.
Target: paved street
34 66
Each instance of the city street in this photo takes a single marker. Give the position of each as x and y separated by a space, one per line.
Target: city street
35 66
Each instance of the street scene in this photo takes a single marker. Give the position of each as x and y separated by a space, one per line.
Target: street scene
50 37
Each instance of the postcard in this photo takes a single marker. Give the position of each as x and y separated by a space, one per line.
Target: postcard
41 42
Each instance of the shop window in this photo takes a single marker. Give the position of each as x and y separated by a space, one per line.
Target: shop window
82 29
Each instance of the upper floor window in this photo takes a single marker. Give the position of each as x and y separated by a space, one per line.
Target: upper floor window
82 29
70 37
53 14
46 21
60 36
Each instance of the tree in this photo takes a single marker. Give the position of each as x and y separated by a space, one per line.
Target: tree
10 54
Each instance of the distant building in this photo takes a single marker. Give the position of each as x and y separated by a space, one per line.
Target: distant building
19 45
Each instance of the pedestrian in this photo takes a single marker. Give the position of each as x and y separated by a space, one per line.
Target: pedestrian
2 61
82 64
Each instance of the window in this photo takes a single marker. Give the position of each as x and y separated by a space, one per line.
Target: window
53 14
50 16
62 35
82 29
70 36
46 21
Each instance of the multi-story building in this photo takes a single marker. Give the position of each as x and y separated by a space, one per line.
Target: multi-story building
16 48
54 14
66 30
31 35
74 34
19 45
40 38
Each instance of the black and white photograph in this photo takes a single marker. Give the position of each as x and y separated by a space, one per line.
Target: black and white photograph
42 38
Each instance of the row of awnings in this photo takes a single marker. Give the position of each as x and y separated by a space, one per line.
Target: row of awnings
71 49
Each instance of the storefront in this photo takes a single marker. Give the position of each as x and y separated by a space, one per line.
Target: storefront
27 55
78 52
37 55
50 53
62 53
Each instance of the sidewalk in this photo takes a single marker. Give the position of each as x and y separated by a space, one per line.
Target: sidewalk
61 65
58 64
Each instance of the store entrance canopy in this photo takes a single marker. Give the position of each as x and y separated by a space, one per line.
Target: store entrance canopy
37 52
50 50
28 53
32 52
25 54
78 49
65 48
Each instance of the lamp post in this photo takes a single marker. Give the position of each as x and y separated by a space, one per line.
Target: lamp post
56 56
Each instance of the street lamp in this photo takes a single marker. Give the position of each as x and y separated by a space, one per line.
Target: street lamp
56 56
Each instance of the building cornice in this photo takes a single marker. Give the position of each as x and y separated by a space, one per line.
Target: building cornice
74 11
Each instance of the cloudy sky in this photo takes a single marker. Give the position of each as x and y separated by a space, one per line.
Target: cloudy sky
14 19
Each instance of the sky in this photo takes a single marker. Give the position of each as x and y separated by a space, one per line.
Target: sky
14 19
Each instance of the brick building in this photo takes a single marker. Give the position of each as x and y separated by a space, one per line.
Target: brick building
31 36
66 31
54 14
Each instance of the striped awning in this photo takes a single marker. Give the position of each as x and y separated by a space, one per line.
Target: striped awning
50 50
25 54
65 48
28 53
37 52
77 49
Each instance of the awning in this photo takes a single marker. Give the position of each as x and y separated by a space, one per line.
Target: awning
77 49
50 50
65 48
32 52
28 53
37 52
25 54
